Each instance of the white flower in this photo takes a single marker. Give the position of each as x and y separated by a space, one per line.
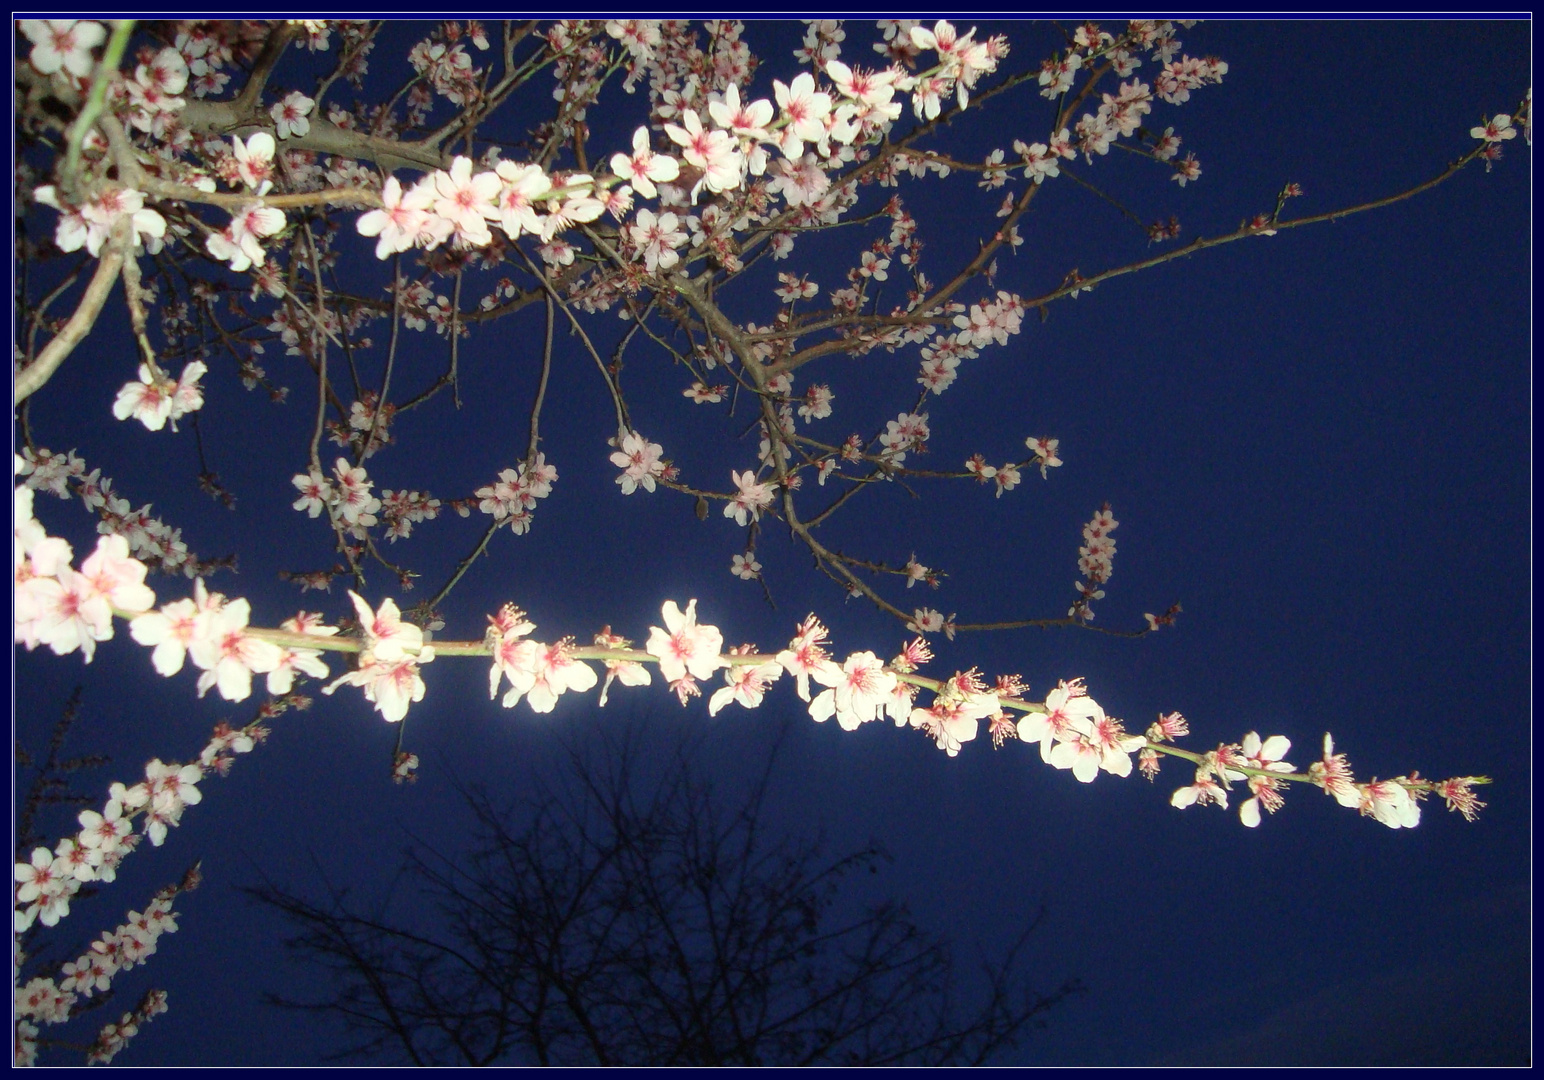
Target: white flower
401 220
63 44
644 167
746 567
254 161
390 684
387 637
149 401
289 115
639 461
751 500
683 645
747 683
859 691
227 655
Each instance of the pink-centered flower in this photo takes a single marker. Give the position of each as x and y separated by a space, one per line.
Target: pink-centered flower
806 656
391 685
1391 803
466 200
387 637
643 168
714 152
747 684
554 672
227 655
1069 711
859 691
751 499
520 187
290 115
401 219
683 646
640 462
1265 791
63 44
805 110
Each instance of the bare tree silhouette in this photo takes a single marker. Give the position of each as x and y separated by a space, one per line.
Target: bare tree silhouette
616 921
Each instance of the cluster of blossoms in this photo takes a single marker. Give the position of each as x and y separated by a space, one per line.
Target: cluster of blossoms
91 224
48 880
513 497
401 510
388 665
1096 560
719 143
155 399
114 1037
150 539
64 608
119 950
347 497
42 1000
642 462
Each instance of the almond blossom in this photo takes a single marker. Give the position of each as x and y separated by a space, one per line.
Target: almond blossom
683 646
1391 803
955 715
713 152
745 567
149 401
386 636
553 671
512 657
306 661
520 186
229 656
153 401
643 168
657 239
640 462
63 44
173 628
1264 790
289 115
806 656
355 504
1045 453
400 221
240 242
1069 712
626 672
254 161
804 111
858 691
751 499
89 226
1095 742
747 683
467 201
391 685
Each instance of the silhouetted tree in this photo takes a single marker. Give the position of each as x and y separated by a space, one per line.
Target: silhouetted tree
621 922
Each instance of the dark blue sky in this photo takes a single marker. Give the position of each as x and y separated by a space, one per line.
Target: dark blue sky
1319 443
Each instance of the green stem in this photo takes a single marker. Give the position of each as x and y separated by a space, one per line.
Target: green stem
96 101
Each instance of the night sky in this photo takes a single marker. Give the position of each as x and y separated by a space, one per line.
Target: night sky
1318 443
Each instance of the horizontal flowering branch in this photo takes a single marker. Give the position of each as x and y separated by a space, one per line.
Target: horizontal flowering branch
66 609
